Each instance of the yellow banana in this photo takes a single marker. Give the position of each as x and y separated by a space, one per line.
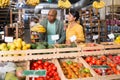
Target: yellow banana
98 5
64 4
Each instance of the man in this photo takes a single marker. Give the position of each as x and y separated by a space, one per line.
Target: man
53 27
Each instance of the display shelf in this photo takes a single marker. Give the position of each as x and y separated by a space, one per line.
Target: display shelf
63 53
21 55
91 23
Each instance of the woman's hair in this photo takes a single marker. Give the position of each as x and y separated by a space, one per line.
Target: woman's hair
75 14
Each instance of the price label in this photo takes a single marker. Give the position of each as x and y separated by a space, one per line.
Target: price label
95 37
73 38
8 39
111 36
100 67
34 73
55 37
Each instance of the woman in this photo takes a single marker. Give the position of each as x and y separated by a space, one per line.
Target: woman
74 28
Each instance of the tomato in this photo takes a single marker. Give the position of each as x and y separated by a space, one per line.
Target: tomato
93 62
54 68
39 61
98 62
103 58
88 59
117 72
55 74
35 64
40 67
57 78
112 65
99 71
46 64
39 78
50 74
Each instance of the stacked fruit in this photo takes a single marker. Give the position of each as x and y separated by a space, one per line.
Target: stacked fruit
72 45
64 4
32 2
52 73
98 4
38 28
4 3
73 70
17 44
102 61
117 40
41 45
115 59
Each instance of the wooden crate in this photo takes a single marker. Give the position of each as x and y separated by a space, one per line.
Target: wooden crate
23 55
79 61
105 77
110 45
90 47
54 61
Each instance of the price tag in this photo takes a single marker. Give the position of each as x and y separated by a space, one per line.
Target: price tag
34 73
111 36
100 67
55 37
73 38
95 37
8 39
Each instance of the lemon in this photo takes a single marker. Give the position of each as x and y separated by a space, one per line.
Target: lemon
19 40
28 46
18 45
24 48
23 43
18 48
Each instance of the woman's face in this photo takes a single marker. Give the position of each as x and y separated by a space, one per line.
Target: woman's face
70 17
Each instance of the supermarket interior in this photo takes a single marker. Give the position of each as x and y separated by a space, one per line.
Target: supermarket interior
59 39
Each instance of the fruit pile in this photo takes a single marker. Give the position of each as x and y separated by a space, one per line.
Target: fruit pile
98 4
100 61
41 45
115 59
32 2
66 45
4 3
64 4
38 28
117 40
13 71
17 44
52 73
74 70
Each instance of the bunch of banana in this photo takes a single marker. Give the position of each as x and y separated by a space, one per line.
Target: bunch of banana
64 4
32 2
4 3
98 4
38 28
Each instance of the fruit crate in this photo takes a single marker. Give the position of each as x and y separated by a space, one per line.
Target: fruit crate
110 45
112 72
14 70
64 50
49 65
91 75
92 47
23 55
